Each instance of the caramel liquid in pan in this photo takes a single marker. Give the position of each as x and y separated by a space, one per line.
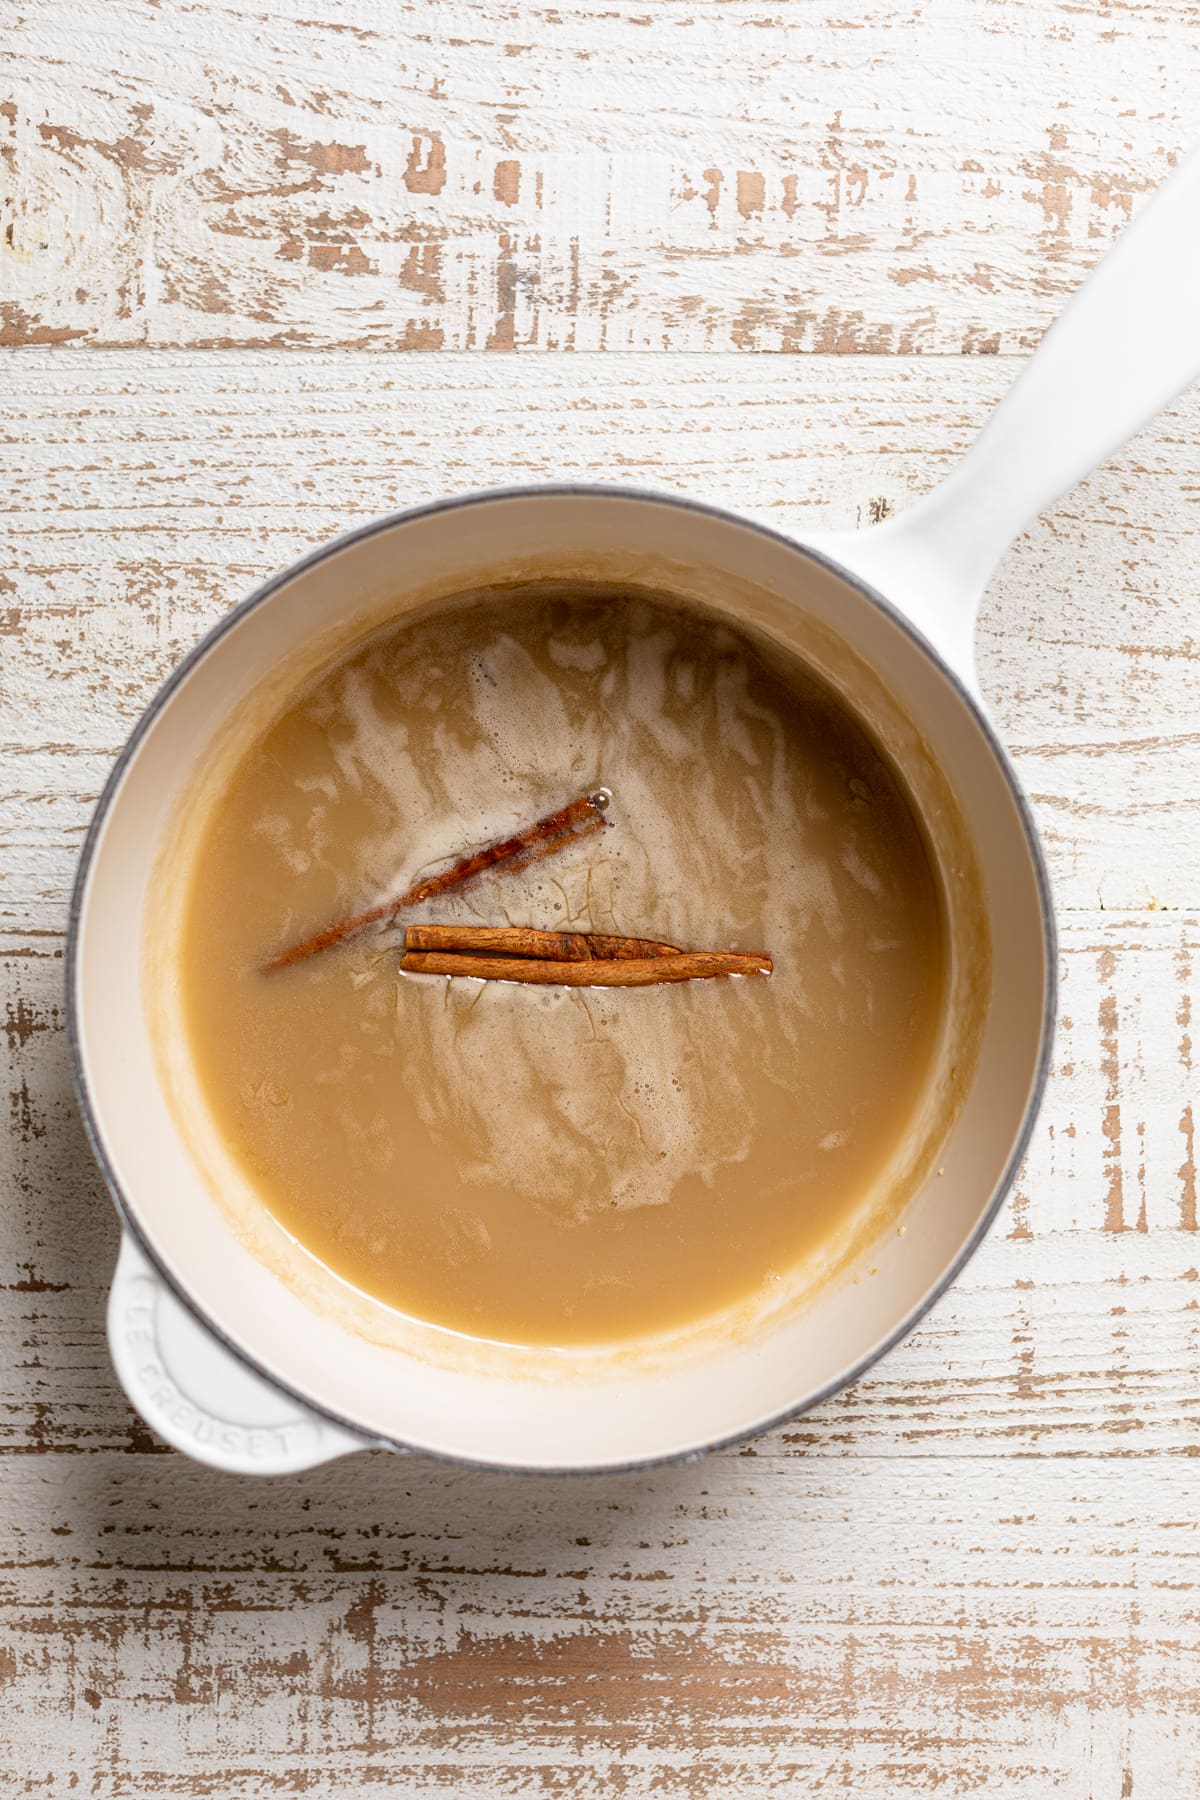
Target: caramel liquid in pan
541 1165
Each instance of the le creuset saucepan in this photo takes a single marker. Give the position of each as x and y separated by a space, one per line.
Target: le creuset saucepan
231 1359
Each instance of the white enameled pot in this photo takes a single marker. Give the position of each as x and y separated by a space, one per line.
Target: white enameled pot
244 1369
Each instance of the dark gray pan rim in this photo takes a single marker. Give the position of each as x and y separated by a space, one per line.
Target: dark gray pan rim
459 503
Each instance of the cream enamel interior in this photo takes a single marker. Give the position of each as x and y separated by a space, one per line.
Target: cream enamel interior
547 1409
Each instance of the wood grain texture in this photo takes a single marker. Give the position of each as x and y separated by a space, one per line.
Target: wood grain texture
975 1573
683 174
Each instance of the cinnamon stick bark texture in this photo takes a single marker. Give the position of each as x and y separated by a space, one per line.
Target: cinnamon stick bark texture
545 837
524 940
648 971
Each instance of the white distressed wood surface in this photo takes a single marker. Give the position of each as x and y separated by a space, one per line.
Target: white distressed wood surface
975 1573
933 175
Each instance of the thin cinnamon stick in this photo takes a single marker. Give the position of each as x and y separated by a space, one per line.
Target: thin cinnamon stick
524 940
537 852
685 965
545 837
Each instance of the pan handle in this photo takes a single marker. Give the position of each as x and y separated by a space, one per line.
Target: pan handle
1126 344
197 1394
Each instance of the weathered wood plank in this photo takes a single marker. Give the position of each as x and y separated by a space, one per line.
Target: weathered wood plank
705 176
144 494
869 1627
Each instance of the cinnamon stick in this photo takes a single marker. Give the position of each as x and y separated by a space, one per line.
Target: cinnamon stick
545 837
685 965
537 852
523 940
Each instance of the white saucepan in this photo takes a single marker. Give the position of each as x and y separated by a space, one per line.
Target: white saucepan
231 1359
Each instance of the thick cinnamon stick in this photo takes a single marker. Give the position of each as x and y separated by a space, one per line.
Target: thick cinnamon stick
523 940
545 837
685 965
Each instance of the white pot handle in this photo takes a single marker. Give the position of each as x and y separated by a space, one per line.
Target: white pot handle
1127 343
196 1394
